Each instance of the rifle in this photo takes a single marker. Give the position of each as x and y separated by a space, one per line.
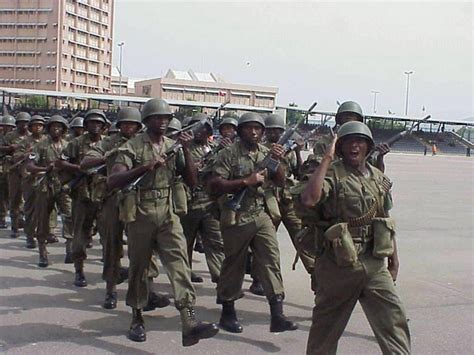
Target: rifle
216 114
268 162
374 154
174 149
191 127
92 171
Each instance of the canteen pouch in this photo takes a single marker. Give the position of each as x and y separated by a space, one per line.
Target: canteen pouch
128 206
98 188
341 241
271 206
180 203
384 231
228 216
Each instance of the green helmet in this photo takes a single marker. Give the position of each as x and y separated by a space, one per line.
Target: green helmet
251 117
37 119
129 114
202 116
8 121
354 128
77 122
352 107
174 125
156 107
95 115
231 120
274 121
57 119
23 117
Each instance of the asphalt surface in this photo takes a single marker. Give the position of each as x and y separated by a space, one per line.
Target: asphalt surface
43 313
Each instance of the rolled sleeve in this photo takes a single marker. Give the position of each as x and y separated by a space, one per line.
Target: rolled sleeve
222 166
126 157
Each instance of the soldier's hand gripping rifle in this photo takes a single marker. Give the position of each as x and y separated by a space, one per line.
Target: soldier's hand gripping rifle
374 154
174 149
268 162
89 172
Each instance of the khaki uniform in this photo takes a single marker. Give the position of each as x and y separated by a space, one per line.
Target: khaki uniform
352 265
153 225
203 218
250 227
50 192
27 186
3 182
84 210
108 223
287 209
14 187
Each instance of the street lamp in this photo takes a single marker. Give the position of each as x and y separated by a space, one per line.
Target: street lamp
407 73
375 92
120 70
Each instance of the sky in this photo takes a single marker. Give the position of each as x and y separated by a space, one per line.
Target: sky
312 50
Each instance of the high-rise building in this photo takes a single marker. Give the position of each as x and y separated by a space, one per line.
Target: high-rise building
61 45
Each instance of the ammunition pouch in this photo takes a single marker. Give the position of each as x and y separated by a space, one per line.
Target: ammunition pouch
98 188
384 231
180 203
342 244
128 206
271 206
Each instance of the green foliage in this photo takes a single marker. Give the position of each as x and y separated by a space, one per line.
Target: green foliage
187 111
291 115
36 102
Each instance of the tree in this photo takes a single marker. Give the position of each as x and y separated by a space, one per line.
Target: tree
292 115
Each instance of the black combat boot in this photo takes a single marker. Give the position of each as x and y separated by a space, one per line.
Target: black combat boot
137 328
110 301
51 239
68 257
229 319
123 275
257 288
43 255
156 300
279 323
196 278
30 242
194 330
79 279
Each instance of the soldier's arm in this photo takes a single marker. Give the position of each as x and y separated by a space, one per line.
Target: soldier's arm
313 191
190 171
224 186
69 152
121 175
278 178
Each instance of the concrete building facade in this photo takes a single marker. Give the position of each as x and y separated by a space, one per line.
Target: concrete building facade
60 45
206 88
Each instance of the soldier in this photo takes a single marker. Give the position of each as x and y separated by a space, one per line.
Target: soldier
36 127
348 111
77 128
151 221
236 169
274 128
8 124
113 130
109 225
355 199
203 213
12 141
50 192
84 210
228 128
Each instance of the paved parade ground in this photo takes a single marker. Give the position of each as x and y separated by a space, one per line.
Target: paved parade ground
43 313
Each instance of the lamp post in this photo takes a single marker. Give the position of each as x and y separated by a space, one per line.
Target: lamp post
375 92
407 73
120 71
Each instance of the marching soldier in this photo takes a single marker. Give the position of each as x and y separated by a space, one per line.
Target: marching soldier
12 141
50 192
76 127
355 201
108 222
203 213
84 210
151 221
237 168
7 123
36 127
274 128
